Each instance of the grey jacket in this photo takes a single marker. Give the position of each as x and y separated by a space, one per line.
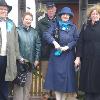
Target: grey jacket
12 50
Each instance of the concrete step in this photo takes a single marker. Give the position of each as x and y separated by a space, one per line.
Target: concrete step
34 98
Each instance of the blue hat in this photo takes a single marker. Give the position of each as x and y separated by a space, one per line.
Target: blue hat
50 4
66 10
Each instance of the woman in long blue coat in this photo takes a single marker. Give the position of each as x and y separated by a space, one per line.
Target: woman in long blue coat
63 35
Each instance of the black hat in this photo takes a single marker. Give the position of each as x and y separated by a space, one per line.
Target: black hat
3 3
50 4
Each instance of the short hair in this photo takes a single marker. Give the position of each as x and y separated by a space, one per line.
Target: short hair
95 7
27 13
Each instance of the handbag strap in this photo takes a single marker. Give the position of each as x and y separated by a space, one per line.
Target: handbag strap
56 34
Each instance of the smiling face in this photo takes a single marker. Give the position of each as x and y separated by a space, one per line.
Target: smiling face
3 11
95 16
27 20
65 17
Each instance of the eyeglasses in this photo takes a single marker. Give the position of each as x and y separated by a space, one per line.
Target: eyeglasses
3 9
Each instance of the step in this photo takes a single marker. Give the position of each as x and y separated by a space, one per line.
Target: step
35 98
32 98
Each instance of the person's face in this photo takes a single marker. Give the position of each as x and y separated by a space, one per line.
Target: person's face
3 11
95 16
65 17
51 11
27 20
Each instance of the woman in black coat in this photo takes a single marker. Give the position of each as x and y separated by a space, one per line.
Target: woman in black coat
88 52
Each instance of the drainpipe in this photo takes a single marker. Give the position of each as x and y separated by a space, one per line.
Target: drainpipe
83 4
21 10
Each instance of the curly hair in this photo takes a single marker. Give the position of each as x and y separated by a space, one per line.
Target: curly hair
91 9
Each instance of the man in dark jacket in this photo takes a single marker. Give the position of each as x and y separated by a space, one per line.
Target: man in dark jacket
42 26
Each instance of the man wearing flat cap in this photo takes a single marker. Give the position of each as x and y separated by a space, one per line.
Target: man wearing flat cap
9 49
42 26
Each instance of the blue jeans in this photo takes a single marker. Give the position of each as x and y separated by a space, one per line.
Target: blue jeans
3 83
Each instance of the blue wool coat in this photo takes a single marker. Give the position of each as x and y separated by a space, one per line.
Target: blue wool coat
61 74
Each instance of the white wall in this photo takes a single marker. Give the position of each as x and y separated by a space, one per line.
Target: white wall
14 12
31 4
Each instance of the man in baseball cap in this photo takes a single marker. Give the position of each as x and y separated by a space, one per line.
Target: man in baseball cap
42 26
50 4
51 9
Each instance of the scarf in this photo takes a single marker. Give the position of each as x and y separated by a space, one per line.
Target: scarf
65 25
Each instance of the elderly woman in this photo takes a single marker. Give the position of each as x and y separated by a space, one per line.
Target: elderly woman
61 77
88 51
29 46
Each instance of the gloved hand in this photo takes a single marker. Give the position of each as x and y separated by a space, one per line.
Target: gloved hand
57 46
21 60
36 63
65 48
77 61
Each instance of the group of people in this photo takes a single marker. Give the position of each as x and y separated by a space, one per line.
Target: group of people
16 43
58 46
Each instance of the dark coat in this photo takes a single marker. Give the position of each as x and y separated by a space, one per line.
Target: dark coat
29 43
61 72
41 27
89 51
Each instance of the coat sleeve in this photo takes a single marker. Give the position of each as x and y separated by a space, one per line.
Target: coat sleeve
16 44
38 28
75 38
80 43
37 47
48 35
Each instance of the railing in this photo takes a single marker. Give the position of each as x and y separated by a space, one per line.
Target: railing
37 84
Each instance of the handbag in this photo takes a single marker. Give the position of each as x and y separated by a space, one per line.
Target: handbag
22 72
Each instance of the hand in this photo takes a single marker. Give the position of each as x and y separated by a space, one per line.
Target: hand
65 48
36 63
77 61
57 46
21 60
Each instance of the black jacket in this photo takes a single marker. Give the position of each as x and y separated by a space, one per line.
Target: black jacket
41 27
89 51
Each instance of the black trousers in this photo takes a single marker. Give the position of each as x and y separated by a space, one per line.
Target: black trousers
92 96
3 83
